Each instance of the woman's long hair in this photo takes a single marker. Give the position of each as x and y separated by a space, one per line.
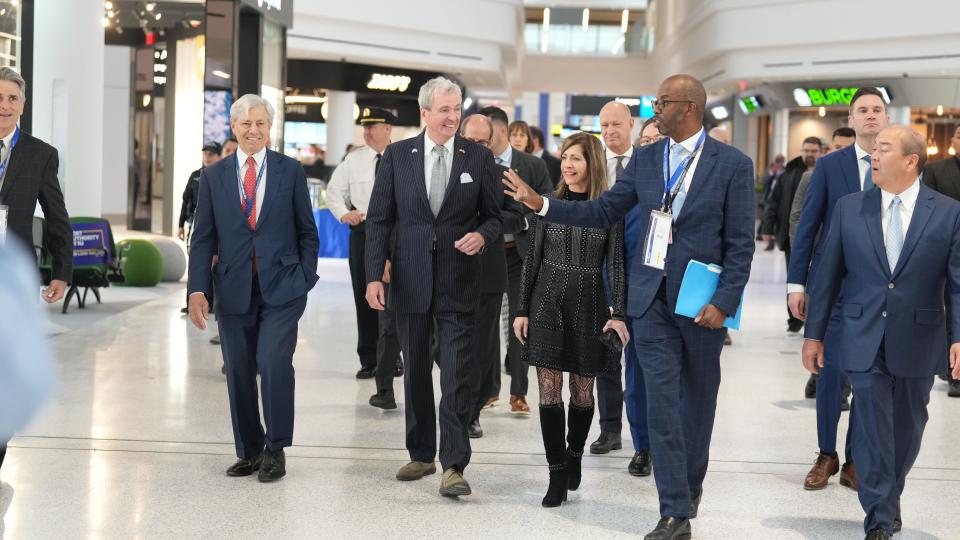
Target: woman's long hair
596 164
523 127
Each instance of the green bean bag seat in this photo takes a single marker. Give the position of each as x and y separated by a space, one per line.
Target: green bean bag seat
141 262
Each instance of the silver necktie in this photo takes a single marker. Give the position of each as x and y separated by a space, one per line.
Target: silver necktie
438 179
894 233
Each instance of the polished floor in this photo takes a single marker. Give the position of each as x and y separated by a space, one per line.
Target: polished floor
135 443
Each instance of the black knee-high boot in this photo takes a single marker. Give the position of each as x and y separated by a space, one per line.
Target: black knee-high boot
579 420
551 425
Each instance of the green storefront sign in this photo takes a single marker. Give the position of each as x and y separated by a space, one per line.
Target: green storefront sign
831 96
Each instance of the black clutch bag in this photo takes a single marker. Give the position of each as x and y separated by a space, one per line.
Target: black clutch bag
612 341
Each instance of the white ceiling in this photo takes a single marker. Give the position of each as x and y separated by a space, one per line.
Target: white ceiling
592 4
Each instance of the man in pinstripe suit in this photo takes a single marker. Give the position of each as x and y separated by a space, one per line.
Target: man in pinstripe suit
712 212
439 192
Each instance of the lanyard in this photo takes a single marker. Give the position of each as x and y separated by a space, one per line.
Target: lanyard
13 142
676 180
248 201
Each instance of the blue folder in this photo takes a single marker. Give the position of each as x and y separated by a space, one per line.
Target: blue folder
699 283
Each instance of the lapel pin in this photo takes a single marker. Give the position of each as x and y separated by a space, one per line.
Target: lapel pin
414 151
461 151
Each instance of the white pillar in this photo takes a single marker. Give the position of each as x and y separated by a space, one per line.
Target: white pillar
780 144
557 113
67 96
116 140
899 115
340 123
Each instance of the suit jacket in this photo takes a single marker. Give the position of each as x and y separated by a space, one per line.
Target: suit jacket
836 174
902 308
776 211
426 269
31 178
533 171
553 167
493 260
944 176
285 240
714 226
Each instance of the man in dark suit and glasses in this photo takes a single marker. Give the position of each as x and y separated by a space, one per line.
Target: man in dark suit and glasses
894 251
254 211
534 172
540 151
439 193
944 176
712 209
28 175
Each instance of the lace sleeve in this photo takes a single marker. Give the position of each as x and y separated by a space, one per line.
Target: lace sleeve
531 266
615 271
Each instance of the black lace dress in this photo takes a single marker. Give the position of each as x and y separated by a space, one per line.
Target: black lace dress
562 293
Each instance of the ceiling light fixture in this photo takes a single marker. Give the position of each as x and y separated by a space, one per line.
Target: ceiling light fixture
586 18
546 18
822 111
150 6
624 21
108 5
939 110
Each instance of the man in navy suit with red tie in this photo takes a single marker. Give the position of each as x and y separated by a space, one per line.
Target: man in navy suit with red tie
254 211
893 251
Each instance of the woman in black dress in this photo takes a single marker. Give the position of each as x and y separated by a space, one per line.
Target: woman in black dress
564 311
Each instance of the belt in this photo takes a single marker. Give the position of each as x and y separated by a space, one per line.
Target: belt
509 245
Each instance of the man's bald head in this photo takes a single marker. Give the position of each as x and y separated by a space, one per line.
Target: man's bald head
616 124
678 109
684 86
899 155
477 128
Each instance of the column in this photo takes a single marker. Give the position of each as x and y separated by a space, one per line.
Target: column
67 96
780 144
899 115
340 124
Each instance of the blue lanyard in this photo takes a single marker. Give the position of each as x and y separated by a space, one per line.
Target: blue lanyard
248 201
682 167
13 142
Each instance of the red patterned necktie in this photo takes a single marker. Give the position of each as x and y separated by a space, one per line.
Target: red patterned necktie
250 187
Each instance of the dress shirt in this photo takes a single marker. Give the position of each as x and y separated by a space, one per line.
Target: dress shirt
908 200
612 164
863 167
6 152
537 153
261 189
506 158
429 158
352 183
689 144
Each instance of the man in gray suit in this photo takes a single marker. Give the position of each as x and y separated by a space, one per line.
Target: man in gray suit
439 193
533 171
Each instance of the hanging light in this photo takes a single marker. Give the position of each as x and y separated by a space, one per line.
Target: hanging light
150 6
822 112
586 18
108 5
951 151
158 16
932 149
105 22
939 110
624 21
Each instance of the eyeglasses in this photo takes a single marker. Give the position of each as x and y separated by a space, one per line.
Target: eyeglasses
482 142
658 103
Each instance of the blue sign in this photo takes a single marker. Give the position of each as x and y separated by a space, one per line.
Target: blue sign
90 244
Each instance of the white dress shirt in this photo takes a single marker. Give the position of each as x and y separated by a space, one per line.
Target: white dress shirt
6 152
429 158
908 200
689 144
863 167
258 159
506 158
612 163
352 183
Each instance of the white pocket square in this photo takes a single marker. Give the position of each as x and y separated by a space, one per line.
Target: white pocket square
465 178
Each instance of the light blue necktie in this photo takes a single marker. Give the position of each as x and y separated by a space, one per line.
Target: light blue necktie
498 160
894 233
868 179
677 153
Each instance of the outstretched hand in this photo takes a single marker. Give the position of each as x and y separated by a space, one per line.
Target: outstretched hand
520 191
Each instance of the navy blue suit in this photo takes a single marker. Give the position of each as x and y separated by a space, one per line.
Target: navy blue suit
430 279
891 337
677 356
836 175
257 312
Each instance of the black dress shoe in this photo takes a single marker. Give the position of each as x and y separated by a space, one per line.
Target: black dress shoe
474 430
670 529
897 520
245 467
384 400
367 373
794 326
810 390
605 443
878 534
640 465
695 505
184 310
398 369
954 389
274 466
845 402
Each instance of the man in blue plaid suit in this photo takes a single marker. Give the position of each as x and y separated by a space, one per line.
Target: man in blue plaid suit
712 208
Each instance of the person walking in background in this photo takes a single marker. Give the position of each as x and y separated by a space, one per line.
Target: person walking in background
519 134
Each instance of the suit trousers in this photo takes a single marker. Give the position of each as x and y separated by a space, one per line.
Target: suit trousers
610 398
635 395
368 325
485 350
829 397
388 347
455 338
264 338
678 358
519 370
891 414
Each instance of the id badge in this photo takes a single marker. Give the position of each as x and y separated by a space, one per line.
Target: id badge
658 239
3 224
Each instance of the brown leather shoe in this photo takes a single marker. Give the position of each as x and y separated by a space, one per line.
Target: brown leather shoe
848 476
491 402
825 467
518 405
415 470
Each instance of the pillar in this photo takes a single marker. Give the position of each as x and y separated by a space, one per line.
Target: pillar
340 124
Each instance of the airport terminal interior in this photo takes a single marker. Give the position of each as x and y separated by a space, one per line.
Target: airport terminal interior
134 435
